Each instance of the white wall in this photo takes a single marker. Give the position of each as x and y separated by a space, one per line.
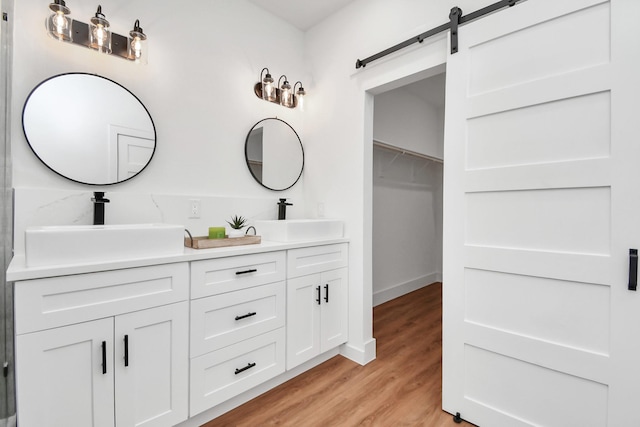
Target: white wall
407 195
404 120
204 59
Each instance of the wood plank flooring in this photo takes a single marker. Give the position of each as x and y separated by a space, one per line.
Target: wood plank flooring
402 387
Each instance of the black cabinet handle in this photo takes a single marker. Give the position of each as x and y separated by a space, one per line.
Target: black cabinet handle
249 366
633 269
126 350
326 293
244 316
104 357
253 270
318 299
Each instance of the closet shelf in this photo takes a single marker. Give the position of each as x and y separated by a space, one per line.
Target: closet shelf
402 151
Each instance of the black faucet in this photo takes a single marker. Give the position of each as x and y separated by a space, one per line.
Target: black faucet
98 207
282 208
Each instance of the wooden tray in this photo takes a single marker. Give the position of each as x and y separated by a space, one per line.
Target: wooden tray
203 242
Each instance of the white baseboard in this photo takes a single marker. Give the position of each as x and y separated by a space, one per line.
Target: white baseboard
400 289
360 355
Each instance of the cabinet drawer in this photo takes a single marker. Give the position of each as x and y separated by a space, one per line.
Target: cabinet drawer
217 276
225 373
316 259
57 301
222 320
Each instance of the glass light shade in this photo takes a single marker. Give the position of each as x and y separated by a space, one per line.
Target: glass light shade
137 43
300 101
268 89
58 23
59 26
99 34
300 95
138 49
286 95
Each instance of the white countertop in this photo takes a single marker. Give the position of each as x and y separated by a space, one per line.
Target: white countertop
19 271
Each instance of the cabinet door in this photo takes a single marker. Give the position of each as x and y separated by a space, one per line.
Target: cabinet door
303 319
60 379
151 356
334 312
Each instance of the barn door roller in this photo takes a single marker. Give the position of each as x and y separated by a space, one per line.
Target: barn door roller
455 20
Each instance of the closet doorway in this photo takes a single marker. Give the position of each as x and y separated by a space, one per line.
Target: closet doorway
408 145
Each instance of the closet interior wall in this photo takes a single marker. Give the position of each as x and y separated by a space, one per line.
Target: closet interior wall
408 135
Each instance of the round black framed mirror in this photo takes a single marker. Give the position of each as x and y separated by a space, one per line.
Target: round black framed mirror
274 154
88 128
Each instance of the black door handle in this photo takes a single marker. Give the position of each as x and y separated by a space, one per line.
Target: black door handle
104 357
633 269
126 350
326 293
318 299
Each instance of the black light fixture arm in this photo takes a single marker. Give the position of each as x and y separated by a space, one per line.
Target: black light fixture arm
455 19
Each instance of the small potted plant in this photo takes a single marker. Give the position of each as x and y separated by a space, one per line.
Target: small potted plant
237 223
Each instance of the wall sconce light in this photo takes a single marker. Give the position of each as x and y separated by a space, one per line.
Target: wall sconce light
283 94
96 34
99 34
59 24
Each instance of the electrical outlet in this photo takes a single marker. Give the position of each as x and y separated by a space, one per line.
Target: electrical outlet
194 208
321 210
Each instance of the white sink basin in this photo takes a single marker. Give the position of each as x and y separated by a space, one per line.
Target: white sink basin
293 230
79 244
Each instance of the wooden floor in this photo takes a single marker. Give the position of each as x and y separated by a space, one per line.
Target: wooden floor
402 387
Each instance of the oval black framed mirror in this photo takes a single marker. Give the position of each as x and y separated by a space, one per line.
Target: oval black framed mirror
88 128
274 154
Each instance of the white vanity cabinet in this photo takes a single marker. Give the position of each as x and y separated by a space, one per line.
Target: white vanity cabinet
317 301
103 349
237 325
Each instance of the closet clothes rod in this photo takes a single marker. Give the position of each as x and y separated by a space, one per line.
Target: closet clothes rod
403 151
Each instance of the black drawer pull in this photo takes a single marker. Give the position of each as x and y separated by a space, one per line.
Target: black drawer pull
318 290
244 316
326 294
633 269
104 357
126 350
253 270
249 366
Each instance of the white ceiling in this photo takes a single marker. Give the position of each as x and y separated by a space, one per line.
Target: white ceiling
303 14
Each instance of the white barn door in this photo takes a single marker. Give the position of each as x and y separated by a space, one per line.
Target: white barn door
541 207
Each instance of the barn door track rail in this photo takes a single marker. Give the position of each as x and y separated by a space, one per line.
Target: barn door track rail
455 20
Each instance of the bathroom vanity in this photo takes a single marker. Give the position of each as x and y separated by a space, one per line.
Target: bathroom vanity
156 341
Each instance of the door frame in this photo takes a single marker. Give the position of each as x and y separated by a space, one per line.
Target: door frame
412 64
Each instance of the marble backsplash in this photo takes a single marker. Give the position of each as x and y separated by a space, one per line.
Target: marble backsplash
39 207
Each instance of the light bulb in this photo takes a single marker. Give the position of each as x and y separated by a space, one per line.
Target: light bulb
300 101
268 90
285 97
61 23
136 47
99 34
